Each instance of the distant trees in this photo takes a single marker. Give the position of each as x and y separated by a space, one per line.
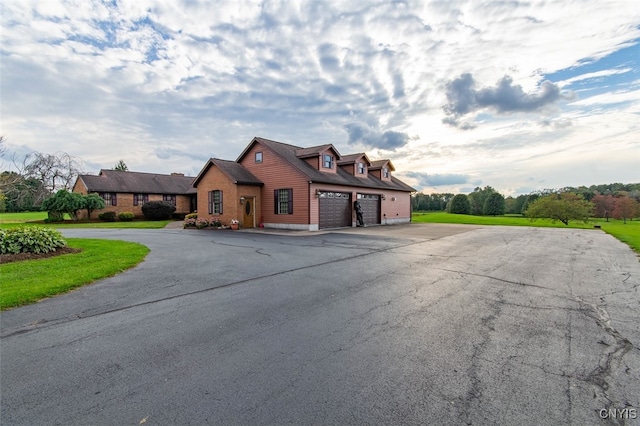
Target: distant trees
460 204
603 205
563 207
494 205
430 202
477 199
121 166
620 201
626 208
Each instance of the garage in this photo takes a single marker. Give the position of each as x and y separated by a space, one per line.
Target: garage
335 209
370 204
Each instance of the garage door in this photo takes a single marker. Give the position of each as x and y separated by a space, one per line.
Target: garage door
335 209
370 204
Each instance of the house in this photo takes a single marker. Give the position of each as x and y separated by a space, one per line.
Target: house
125 191
278 185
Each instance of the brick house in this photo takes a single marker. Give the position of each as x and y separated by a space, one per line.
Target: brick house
125 191
278 185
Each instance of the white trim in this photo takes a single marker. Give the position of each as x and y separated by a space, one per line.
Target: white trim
292 226
395 220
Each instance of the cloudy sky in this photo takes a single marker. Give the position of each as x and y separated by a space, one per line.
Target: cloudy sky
518 95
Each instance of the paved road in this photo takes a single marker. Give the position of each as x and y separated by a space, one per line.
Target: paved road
412 324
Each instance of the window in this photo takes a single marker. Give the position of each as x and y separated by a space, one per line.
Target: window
169 199
385 172
258 157
327 161
109 198
283 200
215 202
361 168
139 199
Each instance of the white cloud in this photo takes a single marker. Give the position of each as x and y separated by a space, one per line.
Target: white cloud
150 75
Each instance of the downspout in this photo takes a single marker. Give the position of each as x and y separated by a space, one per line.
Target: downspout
309 203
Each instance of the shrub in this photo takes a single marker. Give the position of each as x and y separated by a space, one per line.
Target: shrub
190 223
126 216
191 216
107 216
30 239
178 216
202 223
215 222
158 210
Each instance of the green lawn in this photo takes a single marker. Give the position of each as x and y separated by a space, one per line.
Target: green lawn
31 280
628 233
9 220
22 217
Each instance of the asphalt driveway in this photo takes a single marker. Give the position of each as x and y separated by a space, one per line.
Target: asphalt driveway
412 324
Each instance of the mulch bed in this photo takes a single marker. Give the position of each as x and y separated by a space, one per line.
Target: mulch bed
8 258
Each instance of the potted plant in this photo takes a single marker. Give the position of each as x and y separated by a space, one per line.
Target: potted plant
235 224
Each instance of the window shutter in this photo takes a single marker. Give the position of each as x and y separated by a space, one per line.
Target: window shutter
220 201
210 202
114 199
290 201
275 201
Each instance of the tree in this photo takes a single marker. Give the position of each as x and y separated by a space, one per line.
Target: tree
494 204
460 204
121 166
477 199
93 202
564 207
63 202
625 208
603 205
55 171
21 194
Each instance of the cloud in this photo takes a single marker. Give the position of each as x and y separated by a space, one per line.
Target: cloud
426 179
389 140
464 98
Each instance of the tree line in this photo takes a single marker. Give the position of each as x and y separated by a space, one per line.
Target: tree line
617 200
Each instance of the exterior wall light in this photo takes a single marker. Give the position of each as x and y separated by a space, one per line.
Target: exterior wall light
242 200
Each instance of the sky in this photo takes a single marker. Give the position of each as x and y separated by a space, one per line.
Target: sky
517 95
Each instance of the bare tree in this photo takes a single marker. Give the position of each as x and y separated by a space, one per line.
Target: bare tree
55 171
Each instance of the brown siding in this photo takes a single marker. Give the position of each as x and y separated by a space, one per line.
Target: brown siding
276 173
398 210
215 179
313 162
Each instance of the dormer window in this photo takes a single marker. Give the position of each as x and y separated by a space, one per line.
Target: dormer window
385 172
361 168
327 161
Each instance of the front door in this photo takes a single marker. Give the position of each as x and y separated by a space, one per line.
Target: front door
248 215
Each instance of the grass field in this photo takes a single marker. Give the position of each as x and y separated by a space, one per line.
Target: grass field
8 220
628 233
31 280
